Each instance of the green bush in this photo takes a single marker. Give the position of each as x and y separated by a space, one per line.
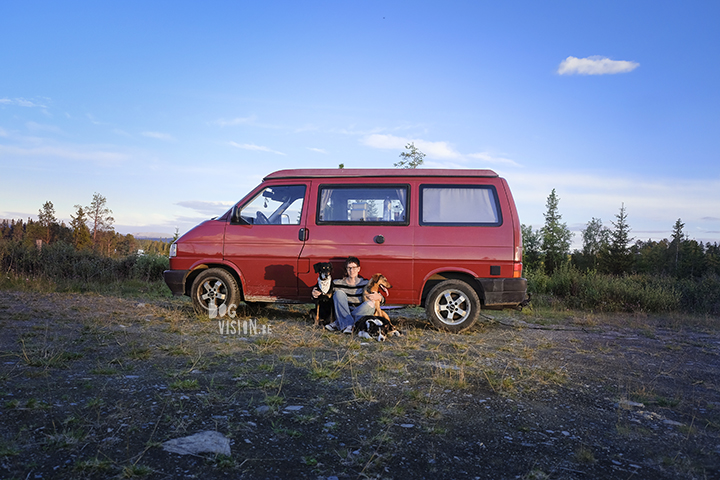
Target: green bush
701 295
61 261
608 293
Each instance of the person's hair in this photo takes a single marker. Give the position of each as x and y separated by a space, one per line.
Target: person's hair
350 260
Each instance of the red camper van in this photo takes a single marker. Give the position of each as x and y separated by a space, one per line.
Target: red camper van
448 240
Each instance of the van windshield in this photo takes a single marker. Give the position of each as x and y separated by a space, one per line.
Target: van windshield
277 205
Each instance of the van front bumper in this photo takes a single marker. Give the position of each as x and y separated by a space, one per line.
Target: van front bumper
504 292
175 280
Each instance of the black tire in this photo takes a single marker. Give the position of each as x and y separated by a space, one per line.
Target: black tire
453 305
214 291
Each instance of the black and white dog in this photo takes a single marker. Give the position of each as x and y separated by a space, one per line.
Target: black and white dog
371 326
324 303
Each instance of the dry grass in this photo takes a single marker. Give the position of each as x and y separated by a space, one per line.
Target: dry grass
107 380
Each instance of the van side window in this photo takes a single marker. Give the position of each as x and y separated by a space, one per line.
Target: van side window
459 205
276 205
362 204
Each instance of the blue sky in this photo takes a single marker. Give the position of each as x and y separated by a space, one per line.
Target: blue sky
175 110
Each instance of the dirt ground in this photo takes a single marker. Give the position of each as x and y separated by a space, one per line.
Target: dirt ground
92 386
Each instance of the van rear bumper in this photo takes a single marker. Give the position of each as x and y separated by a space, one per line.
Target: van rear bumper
175 280
504 292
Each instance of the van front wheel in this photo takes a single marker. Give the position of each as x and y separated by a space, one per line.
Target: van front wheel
453 305
214 291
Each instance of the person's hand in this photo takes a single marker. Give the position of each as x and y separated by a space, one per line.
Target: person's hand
375 297
315 292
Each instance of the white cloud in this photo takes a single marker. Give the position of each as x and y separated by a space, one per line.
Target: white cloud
492 159
159 136
63 152
92 119
318 150
653 205
205 207
595 65
118 131
431 149
39 127
257 148
442 151
235 121
20 102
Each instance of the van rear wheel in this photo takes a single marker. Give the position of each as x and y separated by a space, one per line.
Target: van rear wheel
213 292
453 305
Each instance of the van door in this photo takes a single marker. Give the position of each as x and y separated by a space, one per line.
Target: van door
264 239
368 221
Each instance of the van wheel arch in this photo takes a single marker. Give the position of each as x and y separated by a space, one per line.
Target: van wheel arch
469 279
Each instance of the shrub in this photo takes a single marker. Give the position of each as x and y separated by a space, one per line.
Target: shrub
61 261
605 293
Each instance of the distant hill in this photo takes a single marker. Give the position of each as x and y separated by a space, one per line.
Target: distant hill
164 237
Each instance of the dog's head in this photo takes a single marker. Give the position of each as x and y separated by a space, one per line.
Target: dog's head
323 269
378 283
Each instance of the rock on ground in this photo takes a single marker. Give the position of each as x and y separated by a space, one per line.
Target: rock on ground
209 441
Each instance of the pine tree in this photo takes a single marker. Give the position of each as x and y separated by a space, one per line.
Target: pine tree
616 257
532 244
678 237
81 233
99 216
595 238
46 218
555 236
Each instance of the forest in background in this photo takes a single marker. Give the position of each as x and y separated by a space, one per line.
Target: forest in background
611 272
87 255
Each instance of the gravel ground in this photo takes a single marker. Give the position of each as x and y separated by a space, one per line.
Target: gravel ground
93 387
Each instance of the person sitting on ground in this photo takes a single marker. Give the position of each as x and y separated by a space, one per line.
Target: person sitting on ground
348 298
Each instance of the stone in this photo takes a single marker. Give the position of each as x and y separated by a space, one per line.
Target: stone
204 442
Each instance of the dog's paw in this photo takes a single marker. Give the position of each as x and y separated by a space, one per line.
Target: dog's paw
363 334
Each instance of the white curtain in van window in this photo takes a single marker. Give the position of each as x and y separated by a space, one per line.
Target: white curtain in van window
459 205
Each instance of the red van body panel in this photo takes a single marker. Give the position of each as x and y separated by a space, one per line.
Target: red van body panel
273 261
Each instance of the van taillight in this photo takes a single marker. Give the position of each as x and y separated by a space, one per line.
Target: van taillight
517 270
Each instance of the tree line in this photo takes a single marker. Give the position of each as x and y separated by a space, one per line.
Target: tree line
90 229
611 250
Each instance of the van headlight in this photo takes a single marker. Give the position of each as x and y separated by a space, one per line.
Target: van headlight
173 250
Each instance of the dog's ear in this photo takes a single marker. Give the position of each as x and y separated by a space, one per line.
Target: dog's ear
316 267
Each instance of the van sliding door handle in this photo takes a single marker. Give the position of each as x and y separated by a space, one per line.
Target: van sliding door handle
303 234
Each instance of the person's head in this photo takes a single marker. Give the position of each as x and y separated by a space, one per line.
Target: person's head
352 263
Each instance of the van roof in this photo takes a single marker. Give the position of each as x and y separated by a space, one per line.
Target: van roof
380 172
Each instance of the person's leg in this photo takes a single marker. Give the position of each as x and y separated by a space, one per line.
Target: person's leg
364 309
343 316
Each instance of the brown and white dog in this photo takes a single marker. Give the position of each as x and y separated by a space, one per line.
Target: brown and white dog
378 324
323 303
377 283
